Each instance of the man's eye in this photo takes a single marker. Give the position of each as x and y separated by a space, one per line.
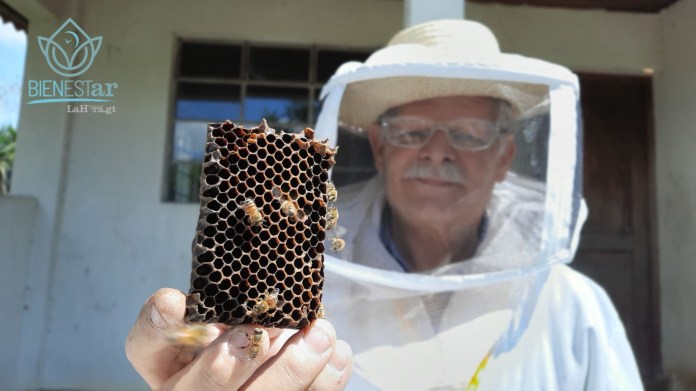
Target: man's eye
465 138
413 136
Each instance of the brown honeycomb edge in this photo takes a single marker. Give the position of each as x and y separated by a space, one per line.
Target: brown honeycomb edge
269 272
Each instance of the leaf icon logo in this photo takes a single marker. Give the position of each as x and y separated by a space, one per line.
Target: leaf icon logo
69 51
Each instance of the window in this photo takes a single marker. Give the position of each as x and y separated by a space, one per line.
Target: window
244 83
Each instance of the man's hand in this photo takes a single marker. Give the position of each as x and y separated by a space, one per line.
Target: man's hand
310 358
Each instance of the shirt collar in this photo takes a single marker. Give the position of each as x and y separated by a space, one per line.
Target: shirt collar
387 238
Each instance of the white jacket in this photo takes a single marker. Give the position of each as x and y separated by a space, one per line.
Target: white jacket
565 335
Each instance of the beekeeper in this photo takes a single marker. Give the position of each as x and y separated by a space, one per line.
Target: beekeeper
453 273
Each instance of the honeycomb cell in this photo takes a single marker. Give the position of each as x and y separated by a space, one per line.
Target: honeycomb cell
224 213
272 269
221 297
244 255
224 186
225 285
199 283
271 280
224 174
204 270
205 257
227 247
226 270
215 277
222 198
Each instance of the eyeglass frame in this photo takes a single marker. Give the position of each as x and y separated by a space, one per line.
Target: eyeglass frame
499 130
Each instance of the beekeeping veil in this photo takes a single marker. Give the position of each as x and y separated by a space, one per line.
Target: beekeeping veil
432 330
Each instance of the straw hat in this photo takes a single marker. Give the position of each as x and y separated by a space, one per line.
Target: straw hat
435 59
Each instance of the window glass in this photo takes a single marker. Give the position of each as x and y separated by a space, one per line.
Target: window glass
267 63
208 102
210 60
189 141
329 60
316 105
280 106
183 181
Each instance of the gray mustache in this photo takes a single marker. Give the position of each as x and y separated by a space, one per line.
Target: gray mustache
446 171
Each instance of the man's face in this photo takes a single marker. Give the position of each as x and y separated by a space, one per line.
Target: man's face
438 184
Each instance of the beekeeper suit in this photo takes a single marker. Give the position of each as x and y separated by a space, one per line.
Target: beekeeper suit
501 311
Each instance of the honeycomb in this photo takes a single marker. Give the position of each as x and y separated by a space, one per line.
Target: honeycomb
258 249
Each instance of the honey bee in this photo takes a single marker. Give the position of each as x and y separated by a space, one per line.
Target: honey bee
190 335
255 342
266 303
288 206
331 192
337 244
331 218
253 213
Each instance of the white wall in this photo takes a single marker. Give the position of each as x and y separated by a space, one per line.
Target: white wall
104 239
675 117
582 40
18 219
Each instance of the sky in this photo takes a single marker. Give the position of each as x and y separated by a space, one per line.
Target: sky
13 49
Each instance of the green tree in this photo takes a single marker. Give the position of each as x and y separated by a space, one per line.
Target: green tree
8 141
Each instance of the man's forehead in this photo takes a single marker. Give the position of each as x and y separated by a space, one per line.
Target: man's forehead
458 104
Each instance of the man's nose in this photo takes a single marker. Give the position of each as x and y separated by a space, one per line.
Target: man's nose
438 148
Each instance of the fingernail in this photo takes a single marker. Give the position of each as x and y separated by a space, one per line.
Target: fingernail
317 340
339 360
238 340
156 318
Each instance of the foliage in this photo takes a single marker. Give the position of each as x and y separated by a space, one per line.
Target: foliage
8 141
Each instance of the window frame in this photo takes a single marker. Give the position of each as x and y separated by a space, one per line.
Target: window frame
312 85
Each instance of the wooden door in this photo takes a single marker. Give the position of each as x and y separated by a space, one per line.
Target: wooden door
617 247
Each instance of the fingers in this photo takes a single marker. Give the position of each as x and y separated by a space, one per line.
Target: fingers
335 375
148 348
226 363
243 357
299 362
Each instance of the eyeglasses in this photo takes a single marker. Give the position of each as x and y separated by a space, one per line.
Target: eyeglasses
469 134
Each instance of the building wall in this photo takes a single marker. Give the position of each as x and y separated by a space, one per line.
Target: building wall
582 40
675 118
20 213
104 240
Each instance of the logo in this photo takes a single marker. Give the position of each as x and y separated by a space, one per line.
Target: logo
70 51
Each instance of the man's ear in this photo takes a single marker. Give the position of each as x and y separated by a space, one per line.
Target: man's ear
507 154
377 144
